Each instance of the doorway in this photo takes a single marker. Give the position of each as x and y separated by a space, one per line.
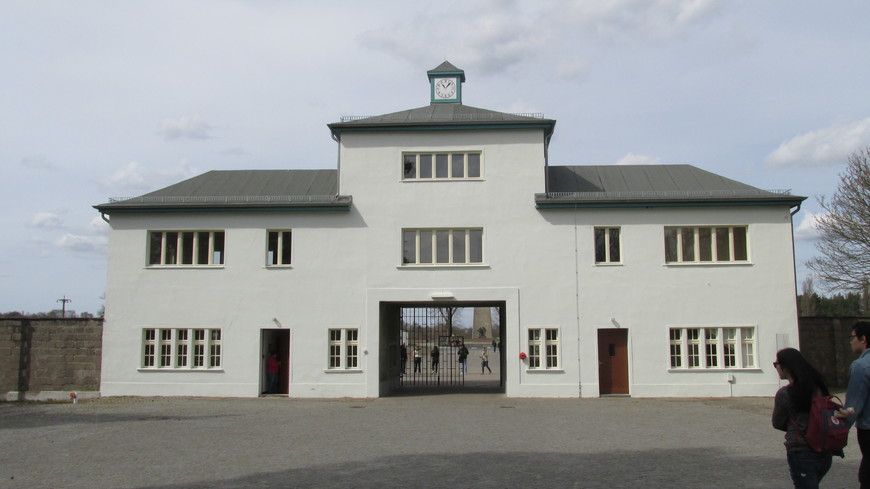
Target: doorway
613 361
275 341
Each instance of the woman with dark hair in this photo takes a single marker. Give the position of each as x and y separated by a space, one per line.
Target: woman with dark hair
791 411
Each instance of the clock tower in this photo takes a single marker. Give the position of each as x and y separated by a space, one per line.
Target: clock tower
445 84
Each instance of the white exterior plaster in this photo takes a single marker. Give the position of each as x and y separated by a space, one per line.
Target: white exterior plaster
539 263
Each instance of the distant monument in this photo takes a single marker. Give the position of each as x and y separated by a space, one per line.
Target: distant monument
482 324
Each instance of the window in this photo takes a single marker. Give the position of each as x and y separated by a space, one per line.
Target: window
706 244
544 348
607 245
278 248
186 248
441 166
176 351
343 349
719 348
442 246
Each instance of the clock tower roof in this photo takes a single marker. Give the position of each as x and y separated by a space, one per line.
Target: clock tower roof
446 68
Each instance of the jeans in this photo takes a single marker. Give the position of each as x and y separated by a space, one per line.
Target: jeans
463 366
807 468
864 469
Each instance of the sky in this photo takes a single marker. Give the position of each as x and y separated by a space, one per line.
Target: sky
103 99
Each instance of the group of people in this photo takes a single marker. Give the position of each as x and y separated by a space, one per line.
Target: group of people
435 359
792 408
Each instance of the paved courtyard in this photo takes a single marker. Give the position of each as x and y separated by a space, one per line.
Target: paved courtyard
479 440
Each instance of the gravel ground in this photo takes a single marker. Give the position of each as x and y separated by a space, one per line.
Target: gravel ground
451 441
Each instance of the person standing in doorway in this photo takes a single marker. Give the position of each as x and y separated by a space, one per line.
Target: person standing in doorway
436 357
484 361
463 359
857 409
403 353
273 368
791 411
418 360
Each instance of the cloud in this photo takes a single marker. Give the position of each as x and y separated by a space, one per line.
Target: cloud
633 159
38 162
827 146
83 244
46 220
185 127
132 179
807 230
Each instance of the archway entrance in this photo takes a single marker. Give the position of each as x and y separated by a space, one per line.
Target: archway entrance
441 348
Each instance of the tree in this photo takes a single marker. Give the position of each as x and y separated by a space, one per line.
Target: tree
808 298
844 229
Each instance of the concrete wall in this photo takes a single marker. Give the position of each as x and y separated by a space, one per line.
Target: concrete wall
825 344
46 359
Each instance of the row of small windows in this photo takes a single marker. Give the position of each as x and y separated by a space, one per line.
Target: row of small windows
181 348
441 166
689 348
724 244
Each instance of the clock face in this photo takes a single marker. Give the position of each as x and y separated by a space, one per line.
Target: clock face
445 88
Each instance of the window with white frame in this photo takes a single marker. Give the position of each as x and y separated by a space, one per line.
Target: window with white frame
712 348
343 348
442 246
715 244
607 247
278 248
185 248
544 348
441 166
181 349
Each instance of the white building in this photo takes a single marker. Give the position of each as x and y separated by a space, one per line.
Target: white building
642 280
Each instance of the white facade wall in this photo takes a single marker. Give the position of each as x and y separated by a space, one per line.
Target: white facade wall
540 263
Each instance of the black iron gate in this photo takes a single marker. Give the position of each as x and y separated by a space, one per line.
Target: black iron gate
429 349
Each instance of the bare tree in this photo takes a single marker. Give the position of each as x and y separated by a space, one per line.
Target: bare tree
807 299
844 241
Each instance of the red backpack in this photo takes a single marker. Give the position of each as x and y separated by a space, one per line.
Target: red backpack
825 431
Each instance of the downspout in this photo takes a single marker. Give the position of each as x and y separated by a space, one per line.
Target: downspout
103 216
337 165
577 308
797 305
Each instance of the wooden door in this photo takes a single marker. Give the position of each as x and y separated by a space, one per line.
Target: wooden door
613 361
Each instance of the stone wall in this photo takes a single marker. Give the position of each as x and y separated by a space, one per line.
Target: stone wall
47 358
825 344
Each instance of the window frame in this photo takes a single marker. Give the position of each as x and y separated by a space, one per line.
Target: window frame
606 242
712 348
282 249
545 350
434 172
343 351
187 248
702 245
177 349
429 243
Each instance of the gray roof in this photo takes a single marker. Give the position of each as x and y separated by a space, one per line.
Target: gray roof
645 185
241 190
441 117
447 68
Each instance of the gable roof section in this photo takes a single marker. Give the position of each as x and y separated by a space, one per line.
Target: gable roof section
650 185
241 190
436 117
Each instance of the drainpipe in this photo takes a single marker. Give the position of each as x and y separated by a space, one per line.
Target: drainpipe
337 164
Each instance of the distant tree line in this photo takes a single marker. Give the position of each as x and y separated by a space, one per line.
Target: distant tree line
55 313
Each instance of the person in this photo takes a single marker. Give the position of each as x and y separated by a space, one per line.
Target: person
857 406
403 353
791 412
463 359
418 360
484 361
273 368
436 357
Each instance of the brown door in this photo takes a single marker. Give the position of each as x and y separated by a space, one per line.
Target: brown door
613 361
